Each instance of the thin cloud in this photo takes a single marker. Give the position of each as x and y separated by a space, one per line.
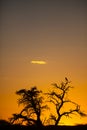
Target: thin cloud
38 62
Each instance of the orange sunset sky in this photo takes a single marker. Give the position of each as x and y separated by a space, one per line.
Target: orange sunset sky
53 31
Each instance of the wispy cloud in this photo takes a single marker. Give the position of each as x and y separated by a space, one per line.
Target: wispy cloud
38 62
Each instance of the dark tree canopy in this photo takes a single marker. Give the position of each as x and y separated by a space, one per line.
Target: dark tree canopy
33 107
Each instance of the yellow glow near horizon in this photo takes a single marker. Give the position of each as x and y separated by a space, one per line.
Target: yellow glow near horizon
38 62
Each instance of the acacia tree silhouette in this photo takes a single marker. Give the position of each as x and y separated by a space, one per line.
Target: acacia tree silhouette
33 107
58 99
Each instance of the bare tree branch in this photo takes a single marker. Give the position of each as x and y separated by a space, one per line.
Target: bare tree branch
58 100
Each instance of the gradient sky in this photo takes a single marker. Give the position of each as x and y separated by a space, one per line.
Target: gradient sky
53 31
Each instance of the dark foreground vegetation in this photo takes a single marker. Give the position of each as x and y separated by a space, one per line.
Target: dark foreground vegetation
5 125
50 127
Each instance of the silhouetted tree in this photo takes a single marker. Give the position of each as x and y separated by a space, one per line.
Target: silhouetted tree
32 101
33 105
58 98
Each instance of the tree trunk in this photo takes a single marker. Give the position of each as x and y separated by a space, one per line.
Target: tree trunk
57 121
39 122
